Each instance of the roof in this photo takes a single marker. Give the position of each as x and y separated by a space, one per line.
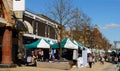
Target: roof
45 17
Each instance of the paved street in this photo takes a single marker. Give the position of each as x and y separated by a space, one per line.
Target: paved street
96 67
110 68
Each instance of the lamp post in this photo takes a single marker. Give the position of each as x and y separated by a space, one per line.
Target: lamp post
18 9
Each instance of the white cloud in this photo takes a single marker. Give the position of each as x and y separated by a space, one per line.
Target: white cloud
112 25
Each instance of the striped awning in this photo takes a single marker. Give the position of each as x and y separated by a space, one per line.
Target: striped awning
40 43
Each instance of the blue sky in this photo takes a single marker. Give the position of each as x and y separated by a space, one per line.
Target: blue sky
104 13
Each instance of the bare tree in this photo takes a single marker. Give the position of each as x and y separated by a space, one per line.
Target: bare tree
75 23
61 11
82 25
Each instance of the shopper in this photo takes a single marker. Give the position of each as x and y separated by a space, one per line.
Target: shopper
90 60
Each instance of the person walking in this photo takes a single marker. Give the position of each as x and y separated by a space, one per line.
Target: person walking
102 60
29 60
116 60
90 60
40 55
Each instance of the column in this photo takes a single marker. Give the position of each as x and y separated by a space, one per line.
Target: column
7 46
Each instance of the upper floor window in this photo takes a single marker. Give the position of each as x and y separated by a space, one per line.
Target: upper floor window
36 28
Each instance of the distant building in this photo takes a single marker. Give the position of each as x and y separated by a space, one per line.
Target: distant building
117 44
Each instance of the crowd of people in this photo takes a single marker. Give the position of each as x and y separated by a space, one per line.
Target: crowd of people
113 57
31 58
91 59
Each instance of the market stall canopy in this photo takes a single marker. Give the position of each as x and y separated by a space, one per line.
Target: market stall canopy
94 50
113 51
53 44
87 49
78 44
109 51
50 42
67 43
101 51
41 43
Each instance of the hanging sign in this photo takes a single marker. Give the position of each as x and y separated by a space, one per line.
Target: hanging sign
18 5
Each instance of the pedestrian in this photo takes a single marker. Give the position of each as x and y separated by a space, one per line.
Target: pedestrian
102 60
93 60
40 55
33 60
29 60
116 60
90 60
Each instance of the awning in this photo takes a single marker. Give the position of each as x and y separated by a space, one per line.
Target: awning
67 43
41 43
39 37
53 44
88 50
29 26
78 44
109 51
50 42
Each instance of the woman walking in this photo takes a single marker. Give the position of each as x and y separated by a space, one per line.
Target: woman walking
90 60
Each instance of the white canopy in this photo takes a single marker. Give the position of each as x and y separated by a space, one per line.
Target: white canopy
70 45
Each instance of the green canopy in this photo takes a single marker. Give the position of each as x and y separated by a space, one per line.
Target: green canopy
50 42
66 43
40 43
53 44
32 45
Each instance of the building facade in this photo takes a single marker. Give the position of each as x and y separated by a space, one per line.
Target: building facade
40 26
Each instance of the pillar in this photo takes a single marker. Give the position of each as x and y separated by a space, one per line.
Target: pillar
7 47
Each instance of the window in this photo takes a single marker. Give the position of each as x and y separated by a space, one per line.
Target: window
36 28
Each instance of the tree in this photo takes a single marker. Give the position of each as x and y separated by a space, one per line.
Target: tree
61 11
82 25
